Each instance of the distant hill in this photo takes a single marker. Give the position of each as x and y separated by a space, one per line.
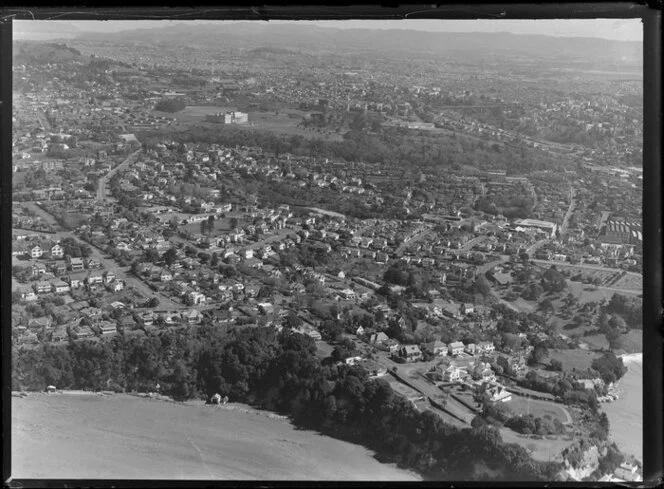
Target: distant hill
39 53
255 35
44 30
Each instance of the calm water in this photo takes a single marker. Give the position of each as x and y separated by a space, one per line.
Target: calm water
626 414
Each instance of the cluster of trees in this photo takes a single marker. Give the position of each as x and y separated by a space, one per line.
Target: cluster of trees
280 372
207 226
610 367
529 424
75 249
630 309
170 105
562 387
513 206
392 146
553 281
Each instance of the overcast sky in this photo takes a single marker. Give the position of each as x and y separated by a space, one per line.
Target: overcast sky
618 29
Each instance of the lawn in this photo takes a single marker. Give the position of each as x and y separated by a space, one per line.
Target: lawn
541 450
284 121
573 359
221 226
586 293
522 405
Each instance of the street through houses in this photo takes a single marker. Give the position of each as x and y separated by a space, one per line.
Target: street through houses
101 188
123 273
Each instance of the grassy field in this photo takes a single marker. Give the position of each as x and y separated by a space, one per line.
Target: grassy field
629 281
521 405
123 437
284 121
587 293
221 226
542 450
573 359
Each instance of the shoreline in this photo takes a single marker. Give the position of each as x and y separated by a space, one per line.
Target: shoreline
625 417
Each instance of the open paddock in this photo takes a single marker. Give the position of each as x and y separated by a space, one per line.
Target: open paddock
283 121
541 450
588 293
522 405
573 359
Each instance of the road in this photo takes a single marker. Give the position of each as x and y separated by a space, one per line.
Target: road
585 266
108 263
568 214
421 385
532 249
101 189
418 237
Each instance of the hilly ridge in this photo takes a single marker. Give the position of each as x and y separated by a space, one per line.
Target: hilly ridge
252 35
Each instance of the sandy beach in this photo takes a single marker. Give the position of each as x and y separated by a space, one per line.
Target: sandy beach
84 435
626 414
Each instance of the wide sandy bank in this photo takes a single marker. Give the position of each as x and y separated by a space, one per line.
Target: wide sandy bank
65 435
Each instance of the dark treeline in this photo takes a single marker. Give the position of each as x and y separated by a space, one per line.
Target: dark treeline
391 146
280 372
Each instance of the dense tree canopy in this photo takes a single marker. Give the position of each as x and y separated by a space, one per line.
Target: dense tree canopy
280 371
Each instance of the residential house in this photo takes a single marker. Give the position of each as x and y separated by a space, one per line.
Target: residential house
127 323
36 251
123 246
42 287
91 312
391 345
108 276
196 297
76 279
40 323
117 285
467 308
379 337
38 269
483 373
191 316
499 394
452 373
92 263
165 276
27 294
410 353
81 332
107 328
57 251
59 268
59 286
94 278
485 347
470 348
436 348
75 264
266 308
455 348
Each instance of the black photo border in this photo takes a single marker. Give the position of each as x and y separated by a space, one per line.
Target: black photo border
649 12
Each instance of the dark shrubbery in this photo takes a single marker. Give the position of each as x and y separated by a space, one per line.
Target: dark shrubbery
280 371
170 105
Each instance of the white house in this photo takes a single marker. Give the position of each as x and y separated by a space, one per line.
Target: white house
455 348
